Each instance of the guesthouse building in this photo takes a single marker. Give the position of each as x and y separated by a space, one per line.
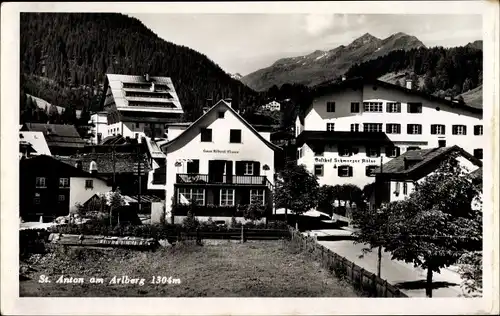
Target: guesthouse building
221 163
353 126
139 106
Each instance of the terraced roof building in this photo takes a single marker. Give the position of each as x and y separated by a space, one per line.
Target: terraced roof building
139 106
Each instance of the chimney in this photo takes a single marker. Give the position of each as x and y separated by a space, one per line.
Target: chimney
147 77
409 84
93 167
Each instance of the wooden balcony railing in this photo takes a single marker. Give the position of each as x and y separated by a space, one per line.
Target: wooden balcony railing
233 179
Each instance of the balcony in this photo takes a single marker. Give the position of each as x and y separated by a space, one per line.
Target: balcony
204 179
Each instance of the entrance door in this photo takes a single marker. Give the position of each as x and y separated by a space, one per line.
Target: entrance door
220 171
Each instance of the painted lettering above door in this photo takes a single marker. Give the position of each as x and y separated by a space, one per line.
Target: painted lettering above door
218 151
341 160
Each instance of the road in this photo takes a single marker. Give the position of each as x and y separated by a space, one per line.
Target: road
409 279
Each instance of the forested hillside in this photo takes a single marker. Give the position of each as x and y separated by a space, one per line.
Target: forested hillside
65 56
443 72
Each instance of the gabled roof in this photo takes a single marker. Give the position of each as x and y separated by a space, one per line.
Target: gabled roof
36 140
337 137
44 161
57 135
167 95
124 162
418 162
358 82
222 103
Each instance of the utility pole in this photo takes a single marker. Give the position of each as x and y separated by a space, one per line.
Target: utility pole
379 261
139 163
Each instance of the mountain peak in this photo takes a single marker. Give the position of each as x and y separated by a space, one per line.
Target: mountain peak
364 39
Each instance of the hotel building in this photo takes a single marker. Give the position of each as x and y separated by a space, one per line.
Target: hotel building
353 126
139 106
220 162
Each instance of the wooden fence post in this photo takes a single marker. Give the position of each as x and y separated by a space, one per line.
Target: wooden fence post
361 274
374 285
352 271
385 288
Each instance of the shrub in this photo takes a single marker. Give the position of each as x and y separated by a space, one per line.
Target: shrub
32 241
254 211
191 222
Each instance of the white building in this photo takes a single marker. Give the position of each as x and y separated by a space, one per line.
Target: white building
33 143
353 126
396 179
221 162
139 106
272 106
99 129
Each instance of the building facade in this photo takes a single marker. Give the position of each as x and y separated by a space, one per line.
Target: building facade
272 106
139 106
354 126
99 129
221 162
395 180
51 188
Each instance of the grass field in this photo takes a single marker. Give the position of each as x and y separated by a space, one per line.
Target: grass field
228 269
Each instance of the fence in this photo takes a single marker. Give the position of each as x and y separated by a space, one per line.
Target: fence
365 281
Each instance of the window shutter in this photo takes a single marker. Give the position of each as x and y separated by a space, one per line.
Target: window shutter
408 129
443 128
433 129
350 171
240 168
338 171
388 127
256 168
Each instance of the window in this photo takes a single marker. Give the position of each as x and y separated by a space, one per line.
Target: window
459 130
345 171
478 153
478 129
345 151
226 197
248 169
392 151
193 166
330 106
354 107
136 135
61 198
188 195
414 107
206 135
89 184
372 106
442 143
414 129
137 125
372 152
437 129
221 114
319 150
64 182
318 170
235 136
40 182
354 127
372 127
257 196
36 200
393 107
369 170
405 188
393 128
330 127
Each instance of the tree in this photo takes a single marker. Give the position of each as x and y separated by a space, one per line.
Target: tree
467 85
296 189
326 199
254 212
436 225
471 271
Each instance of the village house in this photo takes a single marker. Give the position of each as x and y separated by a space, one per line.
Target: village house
61 139
272 106
51 188
395 180
219 162
139 106
99 129
353 126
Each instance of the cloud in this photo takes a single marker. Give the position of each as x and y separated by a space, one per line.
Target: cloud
316 24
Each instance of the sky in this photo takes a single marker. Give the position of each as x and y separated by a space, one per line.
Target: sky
243 43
